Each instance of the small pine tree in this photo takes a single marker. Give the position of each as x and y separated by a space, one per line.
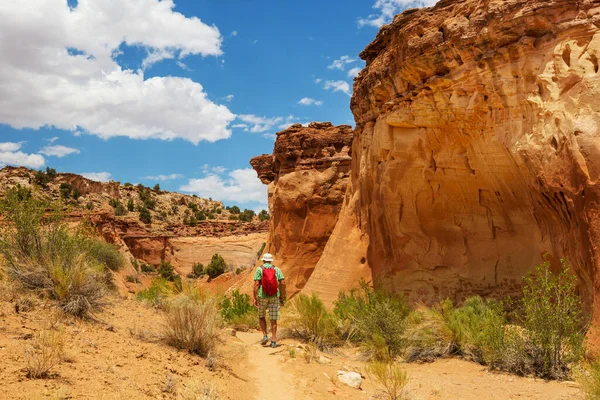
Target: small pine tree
216 267
264 215
156 188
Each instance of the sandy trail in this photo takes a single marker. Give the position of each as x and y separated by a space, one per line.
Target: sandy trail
265 370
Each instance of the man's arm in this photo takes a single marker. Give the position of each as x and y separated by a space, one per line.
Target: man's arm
282 294
256 286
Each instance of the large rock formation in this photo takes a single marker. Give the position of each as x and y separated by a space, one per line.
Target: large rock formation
477 150
307 176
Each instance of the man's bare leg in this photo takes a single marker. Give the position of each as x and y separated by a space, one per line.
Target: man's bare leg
263 325
274 331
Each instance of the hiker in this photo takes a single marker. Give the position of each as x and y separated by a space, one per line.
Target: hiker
269 293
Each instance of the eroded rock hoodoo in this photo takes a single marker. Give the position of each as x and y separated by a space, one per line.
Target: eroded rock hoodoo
477 150
307 176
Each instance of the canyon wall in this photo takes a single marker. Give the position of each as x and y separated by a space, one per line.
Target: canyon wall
477 150
307 176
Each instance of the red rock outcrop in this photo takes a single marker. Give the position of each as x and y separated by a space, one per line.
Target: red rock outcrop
307 176
477 150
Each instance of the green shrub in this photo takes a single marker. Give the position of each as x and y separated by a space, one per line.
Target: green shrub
130 205
193 207
145 215
261 250
246 216
233 217
156 188
76 194
374 318
156 295
427 335
42 255
192 325
238 312
42 179
51 172
148 269
197 271
311 320
65 190
233 210
127 184
216 267
89 205
552 315
132 279
165 270
105 253
264 215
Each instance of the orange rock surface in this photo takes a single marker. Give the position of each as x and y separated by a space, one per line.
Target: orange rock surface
477 150
307 176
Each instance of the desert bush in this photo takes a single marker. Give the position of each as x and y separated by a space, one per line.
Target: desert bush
311 320
237 311
588 377
427 335
106 253
191 325
233 218
552 316
166 271
233 210
145 215
390 376
156 188
374 318
246 215
148 269
45 352
51 172
127 184
42 178
76 194
196 390
65 190
216 267
43 256
264 215
197 271
156 295
89 205
132 279
130 205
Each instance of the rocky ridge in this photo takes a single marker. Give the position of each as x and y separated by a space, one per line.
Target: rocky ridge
307 175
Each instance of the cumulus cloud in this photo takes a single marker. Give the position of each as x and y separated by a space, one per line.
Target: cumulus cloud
10 155
307 101
387 9
341 63
338 86
163 178
229 97
240 186
318 80
258 124
354 72
96 176
71 78
207 169
58 151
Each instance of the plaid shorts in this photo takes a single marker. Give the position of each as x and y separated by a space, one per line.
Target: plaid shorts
271 303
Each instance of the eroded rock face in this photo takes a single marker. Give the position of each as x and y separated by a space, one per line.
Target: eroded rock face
477 149
307 177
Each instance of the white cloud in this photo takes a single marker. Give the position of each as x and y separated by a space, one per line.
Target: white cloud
229 97
52 140
341 63
241 186
307 101
58 151
240 126
96 176
70 78
10 147
10 155
208 170
257 124
318 80
354 72
338 86
387 9
234 33
163 178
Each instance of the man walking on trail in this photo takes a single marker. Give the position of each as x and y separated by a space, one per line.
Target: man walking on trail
269 293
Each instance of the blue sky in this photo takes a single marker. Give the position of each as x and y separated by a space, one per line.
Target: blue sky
179 93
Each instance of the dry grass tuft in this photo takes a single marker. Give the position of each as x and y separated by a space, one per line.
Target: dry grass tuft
196 390
391 377
192 325
45 352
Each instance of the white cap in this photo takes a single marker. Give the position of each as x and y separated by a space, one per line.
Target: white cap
267 257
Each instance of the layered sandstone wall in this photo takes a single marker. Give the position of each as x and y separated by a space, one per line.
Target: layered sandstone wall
477 150
307 176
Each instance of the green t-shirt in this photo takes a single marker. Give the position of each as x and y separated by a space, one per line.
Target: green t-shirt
258 277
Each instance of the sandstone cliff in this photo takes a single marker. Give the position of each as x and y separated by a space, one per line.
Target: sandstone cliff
477 150
307 176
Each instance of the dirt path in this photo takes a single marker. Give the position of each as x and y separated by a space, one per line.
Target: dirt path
271 381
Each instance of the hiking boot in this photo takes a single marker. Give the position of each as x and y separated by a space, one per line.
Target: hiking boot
273 344
264 340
